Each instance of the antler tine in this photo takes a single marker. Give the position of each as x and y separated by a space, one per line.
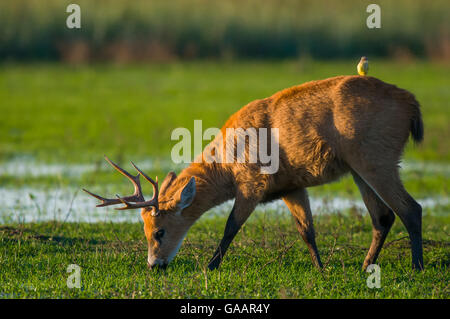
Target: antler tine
105 201
134 179
129 205
137 197
154 184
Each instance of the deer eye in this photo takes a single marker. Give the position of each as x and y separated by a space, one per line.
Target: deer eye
159 234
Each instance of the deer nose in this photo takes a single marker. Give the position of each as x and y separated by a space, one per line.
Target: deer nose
157 263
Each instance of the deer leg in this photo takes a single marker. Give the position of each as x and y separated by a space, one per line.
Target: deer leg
239 214
385 181
298 204
382 219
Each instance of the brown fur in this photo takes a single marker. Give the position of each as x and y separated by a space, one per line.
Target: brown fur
327 128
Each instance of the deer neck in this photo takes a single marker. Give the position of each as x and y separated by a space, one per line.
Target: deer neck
213 187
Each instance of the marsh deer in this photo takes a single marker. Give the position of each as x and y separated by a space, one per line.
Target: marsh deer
345 124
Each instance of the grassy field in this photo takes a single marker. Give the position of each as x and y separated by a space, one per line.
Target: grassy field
266 260
57 120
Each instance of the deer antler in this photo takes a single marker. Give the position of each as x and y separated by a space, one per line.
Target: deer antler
137 197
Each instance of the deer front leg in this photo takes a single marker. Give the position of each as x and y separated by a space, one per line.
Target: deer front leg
239 214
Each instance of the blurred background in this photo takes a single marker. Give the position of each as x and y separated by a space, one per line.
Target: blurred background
136 70
126 31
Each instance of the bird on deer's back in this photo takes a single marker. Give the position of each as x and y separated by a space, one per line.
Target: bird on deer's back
363 66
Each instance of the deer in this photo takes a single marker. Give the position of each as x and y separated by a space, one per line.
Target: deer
328 128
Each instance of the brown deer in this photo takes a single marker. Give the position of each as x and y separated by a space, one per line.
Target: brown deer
345 124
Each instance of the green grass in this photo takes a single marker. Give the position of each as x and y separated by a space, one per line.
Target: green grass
267 260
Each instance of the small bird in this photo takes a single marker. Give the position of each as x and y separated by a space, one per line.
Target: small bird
363 66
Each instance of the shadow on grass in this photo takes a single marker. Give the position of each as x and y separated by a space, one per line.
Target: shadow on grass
16 234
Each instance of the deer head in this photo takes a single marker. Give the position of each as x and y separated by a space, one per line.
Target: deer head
164 224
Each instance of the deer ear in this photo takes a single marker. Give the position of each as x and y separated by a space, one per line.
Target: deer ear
187 194
167 181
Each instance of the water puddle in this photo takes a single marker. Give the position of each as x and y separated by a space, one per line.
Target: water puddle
73 205
23 167
26 204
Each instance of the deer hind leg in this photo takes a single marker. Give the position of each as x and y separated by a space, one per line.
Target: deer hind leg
298 204
385 181
382 219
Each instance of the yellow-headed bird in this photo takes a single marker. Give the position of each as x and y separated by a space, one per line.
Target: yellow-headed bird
363 66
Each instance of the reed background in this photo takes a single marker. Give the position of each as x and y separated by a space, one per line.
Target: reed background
124 31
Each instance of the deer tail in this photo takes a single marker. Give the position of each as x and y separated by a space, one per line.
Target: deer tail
416 126
408 100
